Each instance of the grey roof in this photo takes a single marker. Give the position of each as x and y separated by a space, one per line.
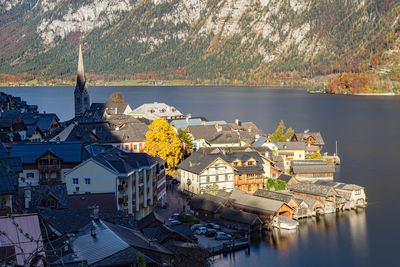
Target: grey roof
30 152
223 194
153 110
273 195
66 220
241 217
106 201
96 248
121 162
308 200
311 166
254 203
163 232
291 145
285 177
313 189
149 219
41 192
260 141
186 122
9 168
316 135
200 203
98 110
339 185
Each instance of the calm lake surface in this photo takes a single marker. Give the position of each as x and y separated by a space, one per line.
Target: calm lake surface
368 133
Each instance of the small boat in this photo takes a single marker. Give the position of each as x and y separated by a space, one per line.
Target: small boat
285 223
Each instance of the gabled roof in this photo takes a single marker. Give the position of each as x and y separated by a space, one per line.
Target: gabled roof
285 177
313 189
311 166
200 203
30 152
254 203
240 217
149 219
339 185
291 145
273 195
153 110
316 135
42 192
66 220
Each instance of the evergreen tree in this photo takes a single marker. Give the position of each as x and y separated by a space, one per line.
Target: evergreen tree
187 139
161 140
280 135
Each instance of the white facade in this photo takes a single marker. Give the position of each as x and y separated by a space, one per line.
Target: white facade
32 177
219 173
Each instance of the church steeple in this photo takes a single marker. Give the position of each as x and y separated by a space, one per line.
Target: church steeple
81 93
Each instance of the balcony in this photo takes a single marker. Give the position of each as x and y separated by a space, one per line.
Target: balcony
49 168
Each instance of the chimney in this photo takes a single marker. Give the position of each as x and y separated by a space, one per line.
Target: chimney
238 122
94 212
28 197
93 230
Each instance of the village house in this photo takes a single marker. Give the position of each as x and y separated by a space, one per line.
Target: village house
353 194
133 177
314 140
204 169
308 206
46 163
291 151
21 240
311 170
240 220
106 110
151 111
325 194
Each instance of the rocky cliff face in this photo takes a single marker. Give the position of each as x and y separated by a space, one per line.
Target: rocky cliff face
208 39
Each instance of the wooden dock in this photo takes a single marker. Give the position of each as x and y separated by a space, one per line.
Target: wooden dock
229 246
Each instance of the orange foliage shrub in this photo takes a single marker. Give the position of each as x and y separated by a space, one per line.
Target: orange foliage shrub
350 83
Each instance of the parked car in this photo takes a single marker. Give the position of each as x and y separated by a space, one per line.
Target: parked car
201 230
195 226
222 236
213 226
211 232
175 216
175 222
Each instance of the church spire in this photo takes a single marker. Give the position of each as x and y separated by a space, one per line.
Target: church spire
81 79
81 93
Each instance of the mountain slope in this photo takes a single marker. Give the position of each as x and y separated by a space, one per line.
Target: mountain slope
234 40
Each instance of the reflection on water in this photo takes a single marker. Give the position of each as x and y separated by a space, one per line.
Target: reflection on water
326 235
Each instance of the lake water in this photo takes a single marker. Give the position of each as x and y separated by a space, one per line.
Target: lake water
368 133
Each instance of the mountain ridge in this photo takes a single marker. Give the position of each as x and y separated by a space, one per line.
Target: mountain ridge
250 41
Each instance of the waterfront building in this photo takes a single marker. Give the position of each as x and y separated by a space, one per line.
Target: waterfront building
327 195
81 93
353 194
46 163
314 140
291 151
311 170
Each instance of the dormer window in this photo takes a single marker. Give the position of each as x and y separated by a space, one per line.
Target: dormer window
250 163
163 110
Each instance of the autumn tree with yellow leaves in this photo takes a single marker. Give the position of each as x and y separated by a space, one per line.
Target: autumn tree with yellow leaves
162 141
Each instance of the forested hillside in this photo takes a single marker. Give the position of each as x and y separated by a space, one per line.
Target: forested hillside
229 41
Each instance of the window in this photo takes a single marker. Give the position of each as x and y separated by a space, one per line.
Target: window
358 192
87 180
226 177
216 178
249 188
55 161
43 162
42 175
75 181
127 147
30 175
208 179
250 163
135 147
